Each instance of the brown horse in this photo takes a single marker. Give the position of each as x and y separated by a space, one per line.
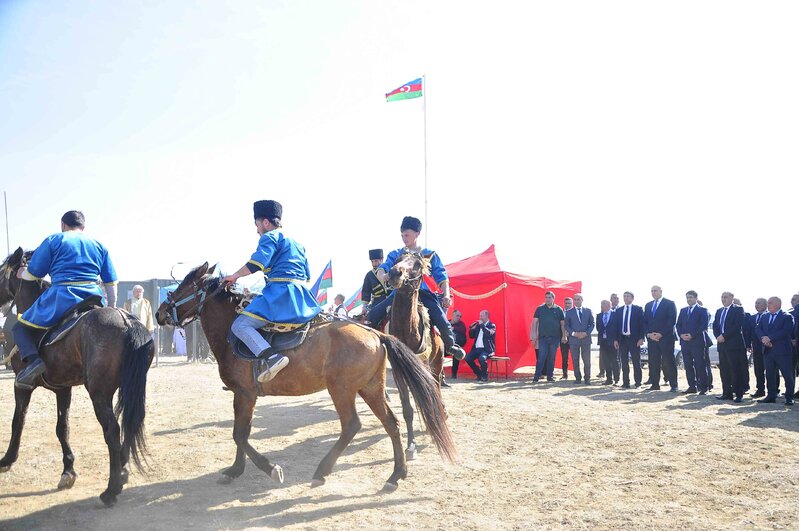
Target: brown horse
410 323
105 351
344 357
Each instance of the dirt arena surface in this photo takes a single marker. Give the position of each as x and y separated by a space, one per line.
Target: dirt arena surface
551 455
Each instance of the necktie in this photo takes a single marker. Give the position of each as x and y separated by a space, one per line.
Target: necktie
579 315
654 308
626 321
757 319
723 317
771 319
690 309
605 318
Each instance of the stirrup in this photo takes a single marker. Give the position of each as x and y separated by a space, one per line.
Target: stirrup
274 365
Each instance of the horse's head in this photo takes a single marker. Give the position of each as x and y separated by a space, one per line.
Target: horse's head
9 283
185 303
407 273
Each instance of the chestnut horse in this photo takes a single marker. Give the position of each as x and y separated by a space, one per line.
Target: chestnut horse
105 351
406 323
346 358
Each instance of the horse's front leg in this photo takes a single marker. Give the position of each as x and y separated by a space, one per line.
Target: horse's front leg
21 398
243 407
63 401
104 412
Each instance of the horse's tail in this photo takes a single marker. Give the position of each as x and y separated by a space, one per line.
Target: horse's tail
136 359
406 367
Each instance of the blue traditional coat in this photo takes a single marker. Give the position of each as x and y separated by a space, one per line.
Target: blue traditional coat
73 261
285 300
437 269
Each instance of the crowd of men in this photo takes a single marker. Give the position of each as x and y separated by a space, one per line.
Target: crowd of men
769 335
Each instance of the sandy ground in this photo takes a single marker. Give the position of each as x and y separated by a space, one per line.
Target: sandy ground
549 455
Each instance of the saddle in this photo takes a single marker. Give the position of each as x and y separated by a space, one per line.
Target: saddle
69 320
278 341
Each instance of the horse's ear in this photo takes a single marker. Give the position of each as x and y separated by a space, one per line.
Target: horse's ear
211 269
16 259
202 270
428 256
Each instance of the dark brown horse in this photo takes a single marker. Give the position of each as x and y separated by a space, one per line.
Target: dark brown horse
344 357
408 324
105 351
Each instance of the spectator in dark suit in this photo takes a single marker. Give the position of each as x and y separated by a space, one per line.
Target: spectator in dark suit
565 346
579 327
774 331
691 327
483 332
614 303
628 338
794 315
708 344
728 329
756 348
459 329
747 338
660 315
604 330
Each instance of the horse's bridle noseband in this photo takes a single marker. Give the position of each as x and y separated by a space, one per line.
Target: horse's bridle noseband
172 306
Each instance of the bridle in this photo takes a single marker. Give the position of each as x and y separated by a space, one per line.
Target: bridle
200 293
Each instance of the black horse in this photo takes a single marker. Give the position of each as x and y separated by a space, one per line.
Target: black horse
105 351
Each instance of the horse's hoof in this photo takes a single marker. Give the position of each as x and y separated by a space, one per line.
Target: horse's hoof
410 454
225 480
67 480
5 468
123 475
277 473
317 483
390 487
108 498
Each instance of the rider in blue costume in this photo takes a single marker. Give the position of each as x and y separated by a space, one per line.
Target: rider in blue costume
73 261
285 303
409 230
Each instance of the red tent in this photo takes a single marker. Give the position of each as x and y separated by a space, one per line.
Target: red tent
479 283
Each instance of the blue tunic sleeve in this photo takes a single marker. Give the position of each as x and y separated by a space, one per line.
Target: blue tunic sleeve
437 270
267 246
41 261
391 259
107 272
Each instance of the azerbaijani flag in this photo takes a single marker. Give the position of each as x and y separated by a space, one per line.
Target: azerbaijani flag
353 302
407 91
321 298
325 280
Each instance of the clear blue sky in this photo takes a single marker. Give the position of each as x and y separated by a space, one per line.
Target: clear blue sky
618 143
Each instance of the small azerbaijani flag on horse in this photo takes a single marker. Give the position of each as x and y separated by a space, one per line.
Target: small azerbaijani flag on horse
410 90
321 298
353 302
324 281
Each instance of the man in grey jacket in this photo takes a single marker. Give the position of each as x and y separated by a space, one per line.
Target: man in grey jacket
579 326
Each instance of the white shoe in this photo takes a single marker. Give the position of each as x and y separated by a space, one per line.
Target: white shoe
274 365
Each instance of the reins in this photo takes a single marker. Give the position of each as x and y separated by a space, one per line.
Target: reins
200 293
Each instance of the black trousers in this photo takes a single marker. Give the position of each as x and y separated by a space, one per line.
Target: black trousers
564 357
628 348
760 367
733 365
661 355
611 359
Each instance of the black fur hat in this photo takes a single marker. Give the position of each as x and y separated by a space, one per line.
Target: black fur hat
375 254
409 222
267 209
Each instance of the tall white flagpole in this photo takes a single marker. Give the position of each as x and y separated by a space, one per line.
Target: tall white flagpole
424 111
